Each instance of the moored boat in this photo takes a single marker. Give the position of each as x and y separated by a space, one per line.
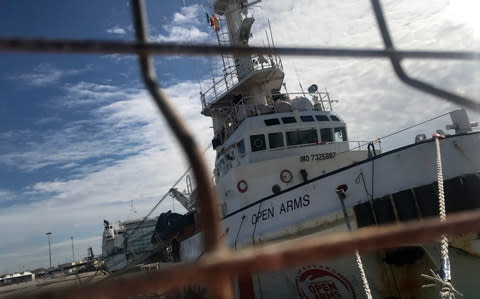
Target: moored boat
285 169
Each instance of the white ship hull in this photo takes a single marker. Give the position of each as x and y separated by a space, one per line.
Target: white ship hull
314 207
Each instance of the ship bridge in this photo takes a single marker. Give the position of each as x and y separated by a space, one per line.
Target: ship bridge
226 91
247 79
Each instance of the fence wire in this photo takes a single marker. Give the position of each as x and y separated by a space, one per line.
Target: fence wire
217 267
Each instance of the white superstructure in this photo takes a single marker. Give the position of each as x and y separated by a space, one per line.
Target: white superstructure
113 248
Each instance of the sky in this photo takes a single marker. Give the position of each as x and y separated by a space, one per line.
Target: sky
81 141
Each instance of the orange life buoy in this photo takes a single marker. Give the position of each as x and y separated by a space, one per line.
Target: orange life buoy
286 176
242 186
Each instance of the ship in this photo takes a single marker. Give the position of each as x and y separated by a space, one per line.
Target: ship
285 169
127 243
113 251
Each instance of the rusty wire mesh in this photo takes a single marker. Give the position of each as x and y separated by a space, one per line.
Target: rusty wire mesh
217 268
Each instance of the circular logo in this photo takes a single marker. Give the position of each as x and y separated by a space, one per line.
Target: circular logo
323 282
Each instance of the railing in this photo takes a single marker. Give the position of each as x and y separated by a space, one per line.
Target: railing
230 76
218 266
222 84
240 111
361 145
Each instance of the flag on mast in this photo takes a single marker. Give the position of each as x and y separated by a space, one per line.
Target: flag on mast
214 21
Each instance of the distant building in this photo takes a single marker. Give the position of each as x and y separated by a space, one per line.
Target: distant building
17 278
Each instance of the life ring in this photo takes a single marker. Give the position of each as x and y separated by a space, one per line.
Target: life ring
286 176
242 186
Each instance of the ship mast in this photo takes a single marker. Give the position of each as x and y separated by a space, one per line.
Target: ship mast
248 86
239 25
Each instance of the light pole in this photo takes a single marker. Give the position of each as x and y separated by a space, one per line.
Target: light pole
73 251
49 249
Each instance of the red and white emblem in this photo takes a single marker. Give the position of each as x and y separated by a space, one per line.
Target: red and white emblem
323 282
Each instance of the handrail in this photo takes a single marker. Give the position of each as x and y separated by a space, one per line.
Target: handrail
251 110
225 82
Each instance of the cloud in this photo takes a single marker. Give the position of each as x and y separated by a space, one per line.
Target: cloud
45 74
188 14
121 152
105 131
120 57
87 93
182 34
372 99
184 27
6 195
117 30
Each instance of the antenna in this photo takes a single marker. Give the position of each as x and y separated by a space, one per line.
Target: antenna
329 100
268 40
298 79
301 88
277 57
285 87
132 208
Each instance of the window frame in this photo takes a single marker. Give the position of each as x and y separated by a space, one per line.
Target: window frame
334 118
252 143
275 120
239 145
344 134
330 135
287 120
301 143
277 147
309 117
317 116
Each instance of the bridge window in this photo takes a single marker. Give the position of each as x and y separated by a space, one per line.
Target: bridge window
258 142
334 118
340 134
241 147
302 137
321 117
275 140
326 135
289 120
230 155
271 121
306 118
221 167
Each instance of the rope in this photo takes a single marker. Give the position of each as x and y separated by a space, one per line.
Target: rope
447 291
163 197
378 140
445 264
238 232
358 259
366 287
414 125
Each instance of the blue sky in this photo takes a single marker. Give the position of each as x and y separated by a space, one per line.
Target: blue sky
73 119
80 140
